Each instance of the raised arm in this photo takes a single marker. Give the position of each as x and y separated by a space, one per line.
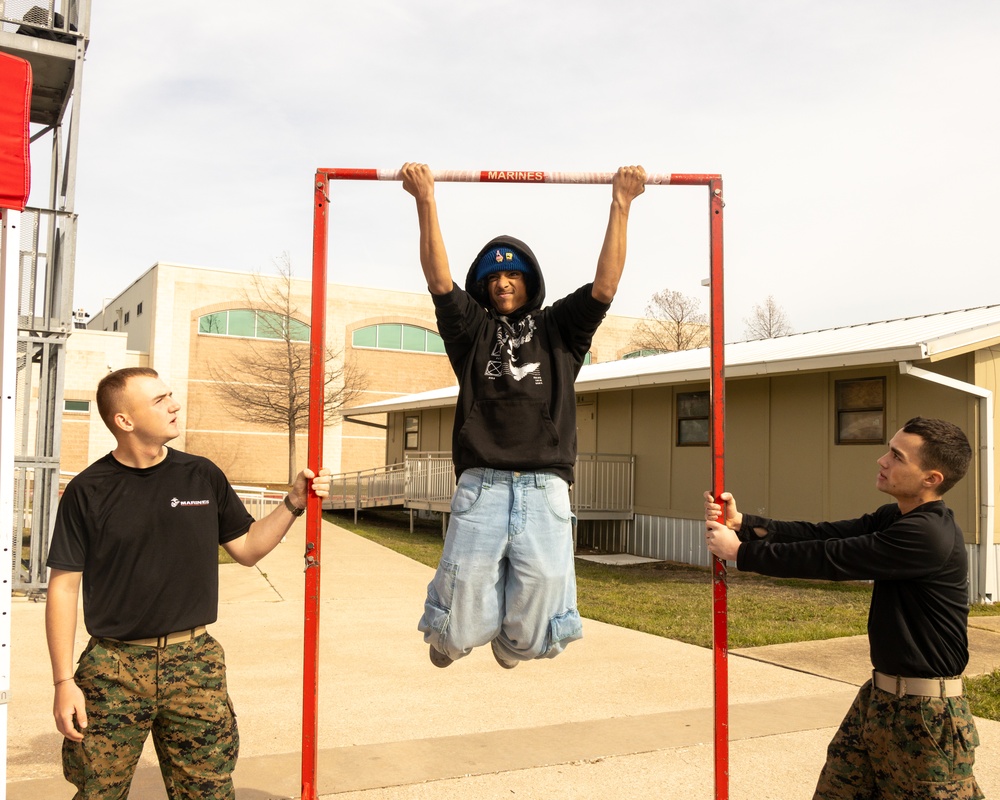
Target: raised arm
419 181
629 183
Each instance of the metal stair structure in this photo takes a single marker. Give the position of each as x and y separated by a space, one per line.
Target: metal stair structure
52 35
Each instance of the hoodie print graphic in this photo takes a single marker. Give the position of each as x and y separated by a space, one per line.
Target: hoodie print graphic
504 358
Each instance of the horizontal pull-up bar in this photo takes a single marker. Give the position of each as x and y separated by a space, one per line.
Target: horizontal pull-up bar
515 176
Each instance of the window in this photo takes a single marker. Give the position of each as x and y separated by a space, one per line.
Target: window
114 326
212 323
270 325
435 344
390 337
643 353
861 411
396 336
77 406
242 323
250 324
365 337
138 310
587 359
414 339
412 439
127 315
692 418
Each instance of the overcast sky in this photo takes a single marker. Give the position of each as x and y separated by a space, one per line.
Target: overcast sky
857 139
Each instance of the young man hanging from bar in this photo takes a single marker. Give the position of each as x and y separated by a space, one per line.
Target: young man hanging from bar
506 575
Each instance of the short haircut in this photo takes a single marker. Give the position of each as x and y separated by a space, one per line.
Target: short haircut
945 448
111 391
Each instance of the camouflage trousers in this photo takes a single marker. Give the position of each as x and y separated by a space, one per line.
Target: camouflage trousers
902 747
178 693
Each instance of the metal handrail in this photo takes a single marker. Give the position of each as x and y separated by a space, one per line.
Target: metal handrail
604 485
69 18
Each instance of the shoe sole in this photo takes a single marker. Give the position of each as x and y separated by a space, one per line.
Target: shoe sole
499 660
439 659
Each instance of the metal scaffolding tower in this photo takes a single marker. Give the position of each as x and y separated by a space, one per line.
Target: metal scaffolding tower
52 35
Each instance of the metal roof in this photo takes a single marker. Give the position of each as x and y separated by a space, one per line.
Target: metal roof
929 337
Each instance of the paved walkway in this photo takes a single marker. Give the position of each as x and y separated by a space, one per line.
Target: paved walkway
619 715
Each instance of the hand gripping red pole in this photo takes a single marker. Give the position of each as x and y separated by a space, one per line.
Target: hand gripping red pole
720 626
314 508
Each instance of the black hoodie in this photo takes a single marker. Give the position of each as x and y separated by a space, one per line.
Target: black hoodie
516 374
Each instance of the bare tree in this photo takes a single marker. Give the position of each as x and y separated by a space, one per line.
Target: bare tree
267 380
767 320
673 322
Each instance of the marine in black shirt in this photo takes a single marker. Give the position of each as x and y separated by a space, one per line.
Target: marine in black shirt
909 732
140 530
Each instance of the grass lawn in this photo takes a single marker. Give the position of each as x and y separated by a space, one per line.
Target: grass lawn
674 600
984 695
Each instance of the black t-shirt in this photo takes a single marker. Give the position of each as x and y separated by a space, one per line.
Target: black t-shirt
918 621
147 543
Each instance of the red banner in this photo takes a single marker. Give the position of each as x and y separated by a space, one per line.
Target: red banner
15 110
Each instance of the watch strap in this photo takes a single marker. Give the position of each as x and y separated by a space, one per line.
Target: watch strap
294 510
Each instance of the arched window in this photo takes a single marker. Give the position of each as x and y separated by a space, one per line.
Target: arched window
250 324
644 353
397 336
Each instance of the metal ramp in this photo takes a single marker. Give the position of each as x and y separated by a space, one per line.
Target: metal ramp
603 486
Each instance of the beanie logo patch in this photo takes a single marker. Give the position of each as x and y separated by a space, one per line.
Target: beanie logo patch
500 259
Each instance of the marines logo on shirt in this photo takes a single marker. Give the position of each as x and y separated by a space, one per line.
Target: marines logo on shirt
174 503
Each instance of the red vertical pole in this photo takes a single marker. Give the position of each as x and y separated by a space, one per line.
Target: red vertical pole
720 632
314 517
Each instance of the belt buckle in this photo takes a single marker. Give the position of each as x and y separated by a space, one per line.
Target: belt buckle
900 686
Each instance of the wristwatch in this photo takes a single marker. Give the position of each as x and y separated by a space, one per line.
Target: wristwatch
294 510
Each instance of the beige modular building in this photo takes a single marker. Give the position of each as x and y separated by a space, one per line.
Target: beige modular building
807 415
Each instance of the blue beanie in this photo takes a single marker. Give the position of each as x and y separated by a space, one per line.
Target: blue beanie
502 259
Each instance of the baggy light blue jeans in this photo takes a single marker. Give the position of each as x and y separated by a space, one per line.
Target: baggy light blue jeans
506 572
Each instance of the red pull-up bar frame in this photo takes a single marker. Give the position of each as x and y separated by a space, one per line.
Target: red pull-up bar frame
317 344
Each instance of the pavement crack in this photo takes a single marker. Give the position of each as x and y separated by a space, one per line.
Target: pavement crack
269 581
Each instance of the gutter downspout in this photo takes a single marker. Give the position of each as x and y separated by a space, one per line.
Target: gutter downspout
986 592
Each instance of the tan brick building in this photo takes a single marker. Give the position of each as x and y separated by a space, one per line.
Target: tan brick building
184 321
89 356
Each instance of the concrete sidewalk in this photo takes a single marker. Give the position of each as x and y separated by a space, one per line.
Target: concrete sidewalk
620 714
